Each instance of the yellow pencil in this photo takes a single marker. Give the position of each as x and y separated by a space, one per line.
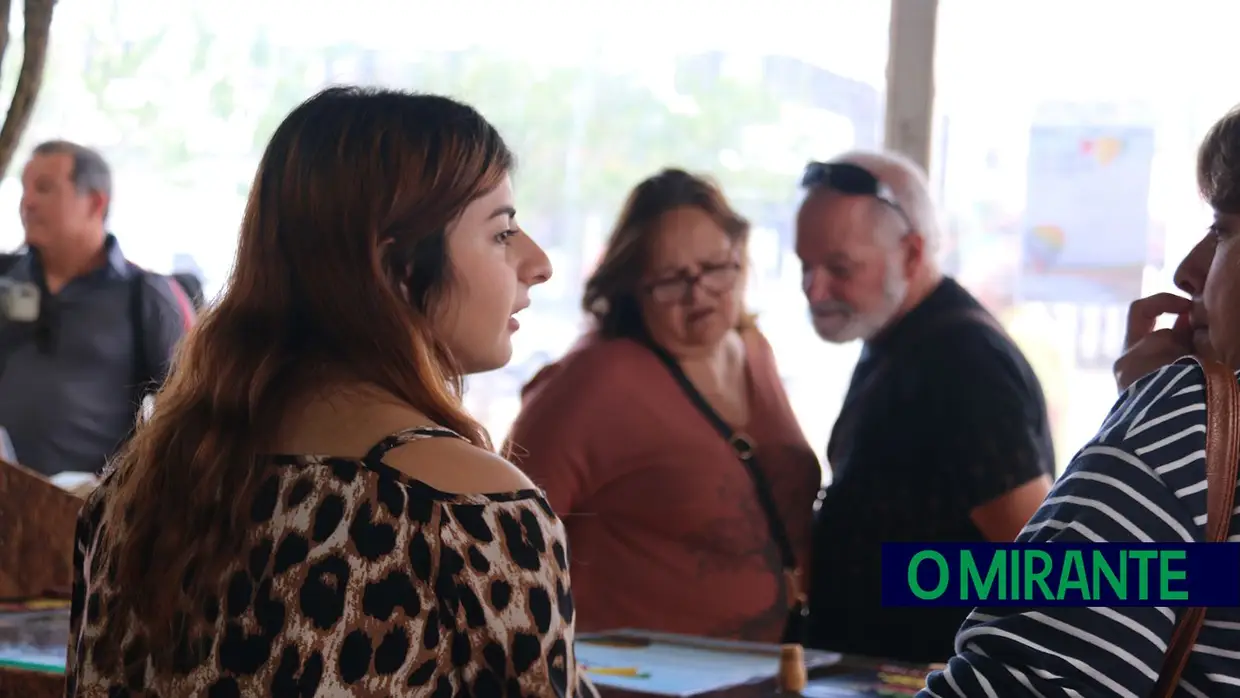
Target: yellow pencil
617 671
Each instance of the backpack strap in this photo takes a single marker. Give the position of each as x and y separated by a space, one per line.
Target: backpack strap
143 375
148 374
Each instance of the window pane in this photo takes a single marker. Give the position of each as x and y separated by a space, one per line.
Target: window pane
1067 132
182 97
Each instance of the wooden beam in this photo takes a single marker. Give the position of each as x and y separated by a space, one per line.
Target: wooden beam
909 118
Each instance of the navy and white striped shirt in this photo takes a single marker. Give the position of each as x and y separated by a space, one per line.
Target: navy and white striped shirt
1141 479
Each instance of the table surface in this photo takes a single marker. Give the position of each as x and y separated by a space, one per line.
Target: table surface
640 664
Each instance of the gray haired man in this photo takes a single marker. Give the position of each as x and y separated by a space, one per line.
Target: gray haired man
74 370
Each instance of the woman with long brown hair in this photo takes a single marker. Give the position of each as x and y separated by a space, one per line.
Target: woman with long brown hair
674 527
309 510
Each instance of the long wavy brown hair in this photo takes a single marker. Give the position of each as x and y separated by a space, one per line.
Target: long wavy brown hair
611 293
340 264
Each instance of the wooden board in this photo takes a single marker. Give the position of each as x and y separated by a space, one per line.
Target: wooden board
37 523
16 683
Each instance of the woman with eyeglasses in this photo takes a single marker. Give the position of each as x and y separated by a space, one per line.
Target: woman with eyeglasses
665 439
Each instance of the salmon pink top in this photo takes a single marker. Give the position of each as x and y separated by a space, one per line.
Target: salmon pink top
665 529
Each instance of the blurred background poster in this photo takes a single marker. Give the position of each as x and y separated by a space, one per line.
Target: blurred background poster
1086 235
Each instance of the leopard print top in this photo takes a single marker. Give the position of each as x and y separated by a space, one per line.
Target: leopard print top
358 581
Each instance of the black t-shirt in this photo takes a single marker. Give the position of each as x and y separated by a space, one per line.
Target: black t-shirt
943 414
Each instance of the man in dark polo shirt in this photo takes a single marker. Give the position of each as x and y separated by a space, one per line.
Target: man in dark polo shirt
943 435
71 380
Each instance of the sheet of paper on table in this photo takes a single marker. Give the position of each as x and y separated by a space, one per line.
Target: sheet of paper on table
677 665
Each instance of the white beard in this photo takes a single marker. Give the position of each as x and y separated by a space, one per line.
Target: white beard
845 324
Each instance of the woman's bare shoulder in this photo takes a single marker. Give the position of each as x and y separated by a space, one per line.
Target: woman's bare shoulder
456 466
349 424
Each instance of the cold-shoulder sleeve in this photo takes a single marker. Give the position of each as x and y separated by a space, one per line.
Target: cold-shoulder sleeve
503 577
357 581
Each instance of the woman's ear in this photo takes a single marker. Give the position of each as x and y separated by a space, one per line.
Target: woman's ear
388 266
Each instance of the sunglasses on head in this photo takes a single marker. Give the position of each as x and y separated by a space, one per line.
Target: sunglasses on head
851 180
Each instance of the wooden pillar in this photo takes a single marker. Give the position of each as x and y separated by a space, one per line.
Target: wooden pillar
909 120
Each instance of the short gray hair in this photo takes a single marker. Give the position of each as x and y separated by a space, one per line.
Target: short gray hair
90 171
909 185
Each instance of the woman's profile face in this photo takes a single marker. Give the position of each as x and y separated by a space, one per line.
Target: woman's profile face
1209 276
690 294
493 265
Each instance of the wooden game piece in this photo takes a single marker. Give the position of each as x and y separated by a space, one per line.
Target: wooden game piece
793 676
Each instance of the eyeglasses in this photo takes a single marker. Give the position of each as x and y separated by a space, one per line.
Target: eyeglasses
715 278
852 180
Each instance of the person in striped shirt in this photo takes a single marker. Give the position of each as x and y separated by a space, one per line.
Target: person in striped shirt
1141 479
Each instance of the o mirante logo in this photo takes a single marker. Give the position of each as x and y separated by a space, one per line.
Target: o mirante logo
1064 574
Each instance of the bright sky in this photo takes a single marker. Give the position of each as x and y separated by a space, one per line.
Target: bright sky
996 60
850 35
996 50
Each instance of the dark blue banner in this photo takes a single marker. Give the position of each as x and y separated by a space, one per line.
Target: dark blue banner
1061 574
